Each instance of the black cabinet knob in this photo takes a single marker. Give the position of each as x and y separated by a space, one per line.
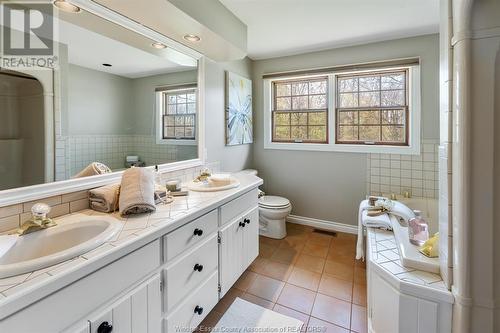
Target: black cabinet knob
198 267
247 221
198 232
198 309
105 327
242 224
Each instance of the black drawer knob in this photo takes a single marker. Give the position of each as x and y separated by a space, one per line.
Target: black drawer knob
242 224
105 327
198 267
198 232
247 221
198 309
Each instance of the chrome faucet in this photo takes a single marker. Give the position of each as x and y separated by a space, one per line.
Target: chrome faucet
38 221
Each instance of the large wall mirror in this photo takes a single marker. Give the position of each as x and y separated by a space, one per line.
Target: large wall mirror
117 99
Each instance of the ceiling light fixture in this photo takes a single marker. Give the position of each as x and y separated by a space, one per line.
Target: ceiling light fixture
66 6
107 65
192 38
158 45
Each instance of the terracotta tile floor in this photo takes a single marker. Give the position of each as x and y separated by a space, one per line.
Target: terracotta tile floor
308 275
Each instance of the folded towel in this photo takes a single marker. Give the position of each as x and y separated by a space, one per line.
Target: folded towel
360 247
105 199
93 169
137 192
381 221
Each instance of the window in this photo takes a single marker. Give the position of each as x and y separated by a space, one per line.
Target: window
369 110
372 108
300 110
176 108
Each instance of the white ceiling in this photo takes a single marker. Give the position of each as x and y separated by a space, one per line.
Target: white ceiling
286 27
89 49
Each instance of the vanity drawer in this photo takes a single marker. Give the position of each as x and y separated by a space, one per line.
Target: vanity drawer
204 297
232 209
189 235
181 277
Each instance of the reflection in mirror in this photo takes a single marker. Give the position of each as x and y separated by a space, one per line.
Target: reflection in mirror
120 100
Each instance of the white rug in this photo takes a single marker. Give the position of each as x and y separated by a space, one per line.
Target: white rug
243 316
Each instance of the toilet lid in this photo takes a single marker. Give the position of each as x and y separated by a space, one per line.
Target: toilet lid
273 201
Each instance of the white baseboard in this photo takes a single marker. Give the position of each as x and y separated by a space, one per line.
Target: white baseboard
323 224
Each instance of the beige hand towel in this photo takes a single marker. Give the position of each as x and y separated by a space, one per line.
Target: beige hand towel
105 199
93 169
137 191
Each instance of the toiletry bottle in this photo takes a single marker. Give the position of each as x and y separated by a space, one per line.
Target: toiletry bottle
418 230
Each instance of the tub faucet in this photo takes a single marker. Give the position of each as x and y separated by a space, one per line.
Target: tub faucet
38 221
407 194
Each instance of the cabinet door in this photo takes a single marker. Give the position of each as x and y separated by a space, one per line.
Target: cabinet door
138 312
251 237
230 254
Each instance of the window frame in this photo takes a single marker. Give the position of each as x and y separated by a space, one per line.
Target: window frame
405 108
413 115
160 94
274 109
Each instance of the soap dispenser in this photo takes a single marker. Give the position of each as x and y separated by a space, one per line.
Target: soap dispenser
418 229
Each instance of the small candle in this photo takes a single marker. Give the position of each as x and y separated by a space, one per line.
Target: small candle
173 185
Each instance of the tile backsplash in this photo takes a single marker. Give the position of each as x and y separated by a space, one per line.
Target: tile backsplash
395 173
74 153
11 217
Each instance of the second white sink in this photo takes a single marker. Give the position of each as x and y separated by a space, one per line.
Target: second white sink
210 186
48 247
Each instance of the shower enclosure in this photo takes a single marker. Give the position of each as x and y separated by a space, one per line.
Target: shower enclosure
24 135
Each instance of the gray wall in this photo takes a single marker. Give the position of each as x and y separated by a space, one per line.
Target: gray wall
98 103
145 99
232 158
330 185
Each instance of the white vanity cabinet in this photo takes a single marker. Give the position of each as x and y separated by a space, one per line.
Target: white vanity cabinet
205 258
239 246
137 312
167 285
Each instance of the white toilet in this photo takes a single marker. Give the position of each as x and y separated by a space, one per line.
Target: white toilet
273 211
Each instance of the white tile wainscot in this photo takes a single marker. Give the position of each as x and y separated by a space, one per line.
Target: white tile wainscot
402 299
123 281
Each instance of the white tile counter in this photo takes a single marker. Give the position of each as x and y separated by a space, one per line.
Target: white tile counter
19 291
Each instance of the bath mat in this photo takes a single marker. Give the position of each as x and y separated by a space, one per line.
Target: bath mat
243 316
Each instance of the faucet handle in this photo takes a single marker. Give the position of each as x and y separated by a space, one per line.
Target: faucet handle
40 210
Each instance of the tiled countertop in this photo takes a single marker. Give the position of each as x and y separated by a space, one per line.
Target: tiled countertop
21 290
384 257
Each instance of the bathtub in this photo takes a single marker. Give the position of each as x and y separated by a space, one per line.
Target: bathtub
401 297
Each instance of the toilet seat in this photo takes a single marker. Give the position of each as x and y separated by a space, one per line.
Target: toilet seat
273 202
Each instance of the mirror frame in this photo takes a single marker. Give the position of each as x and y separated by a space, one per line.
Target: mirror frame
39 191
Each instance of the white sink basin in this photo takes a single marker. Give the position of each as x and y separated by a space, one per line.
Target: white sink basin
209 186
48 247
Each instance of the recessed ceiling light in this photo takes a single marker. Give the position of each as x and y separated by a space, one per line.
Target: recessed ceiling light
66 6
158 45
192 38
107 65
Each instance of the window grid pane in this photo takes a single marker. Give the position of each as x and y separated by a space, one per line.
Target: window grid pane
300 110
179 114
372 108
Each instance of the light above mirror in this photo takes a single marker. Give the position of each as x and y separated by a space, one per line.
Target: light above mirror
192 38
66 6
158 45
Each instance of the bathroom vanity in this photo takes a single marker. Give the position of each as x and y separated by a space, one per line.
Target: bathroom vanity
163 272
